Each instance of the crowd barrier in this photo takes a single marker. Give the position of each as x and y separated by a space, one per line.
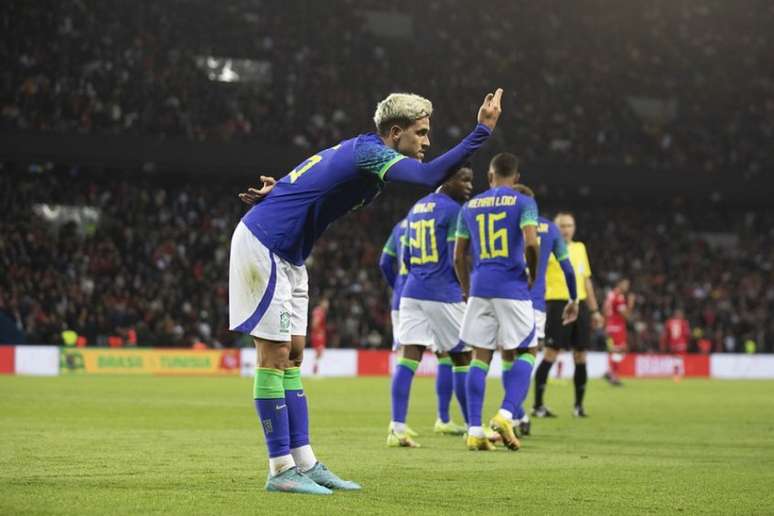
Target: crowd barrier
54 361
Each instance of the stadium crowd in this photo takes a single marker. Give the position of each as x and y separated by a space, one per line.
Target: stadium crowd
152 270
669 85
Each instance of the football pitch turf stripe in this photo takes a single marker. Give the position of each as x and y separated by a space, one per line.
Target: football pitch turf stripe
162 445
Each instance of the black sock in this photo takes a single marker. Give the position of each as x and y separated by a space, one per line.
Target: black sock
580 378
541 377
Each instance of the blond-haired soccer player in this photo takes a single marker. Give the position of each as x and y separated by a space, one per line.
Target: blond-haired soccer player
268 284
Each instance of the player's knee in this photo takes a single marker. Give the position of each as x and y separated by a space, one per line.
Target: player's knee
529 351
483 355
275 356
460 359
579 357
509 354
550 354
413 352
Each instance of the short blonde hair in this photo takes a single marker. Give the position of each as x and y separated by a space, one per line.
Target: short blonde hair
401 109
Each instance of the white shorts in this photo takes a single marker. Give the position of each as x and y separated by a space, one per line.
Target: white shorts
268 297
540 324
493 322
395 318
433 324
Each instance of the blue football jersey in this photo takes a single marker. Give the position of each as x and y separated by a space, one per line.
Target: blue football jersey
432 223
334 181
493 221
551 241
318 191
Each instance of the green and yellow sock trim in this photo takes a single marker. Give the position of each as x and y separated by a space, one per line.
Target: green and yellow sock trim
292 379
479 364
268 383
507 365
461 369
407 362
445 361
528 358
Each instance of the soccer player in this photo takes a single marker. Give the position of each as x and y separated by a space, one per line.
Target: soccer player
551 244
618 308
675 339
395 272
431 306
268 284
499 228
319 332
677 334
559 335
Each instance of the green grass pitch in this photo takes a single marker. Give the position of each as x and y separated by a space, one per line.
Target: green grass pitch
145 445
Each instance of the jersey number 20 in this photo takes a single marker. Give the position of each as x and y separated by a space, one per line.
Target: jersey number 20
494 242
423 239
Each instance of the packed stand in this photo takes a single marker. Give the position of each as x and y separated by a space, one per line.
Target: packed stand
667 85
153 270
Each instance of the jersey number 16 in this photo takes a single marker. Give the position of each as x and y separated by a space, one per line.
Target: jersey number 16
494 242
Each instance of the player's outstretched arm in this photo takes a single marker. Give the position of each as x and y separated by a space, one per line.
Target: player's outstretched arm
255 195
435 172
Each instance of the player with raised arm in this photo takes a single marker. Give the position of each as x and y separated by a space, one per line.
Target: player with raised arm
268 284
499 228
575 335
431 306
551 244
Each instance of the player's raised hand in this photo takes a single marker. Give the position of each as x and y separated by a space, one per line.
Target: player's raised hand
253 195
490 110
570 313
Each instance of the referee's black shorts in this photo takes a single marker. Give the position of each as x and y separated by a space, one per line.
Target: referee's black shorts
574 336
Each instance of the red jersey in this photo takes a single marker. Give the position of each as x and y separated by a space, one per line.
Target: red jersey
677 334
319 327
615 322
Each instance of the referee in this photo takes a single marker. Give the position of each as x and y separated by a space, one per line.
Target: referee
576 335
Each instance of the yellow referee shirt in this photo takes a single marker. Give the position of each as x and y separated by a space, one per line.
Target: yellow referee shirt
556 288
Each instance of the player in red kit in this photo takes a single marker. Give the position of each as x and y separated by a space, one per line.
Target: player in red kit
675 339
618 309
677 334
319 333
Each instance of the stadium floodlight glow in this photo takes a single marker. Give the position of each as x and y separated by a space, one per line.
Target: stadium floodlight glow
227 69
